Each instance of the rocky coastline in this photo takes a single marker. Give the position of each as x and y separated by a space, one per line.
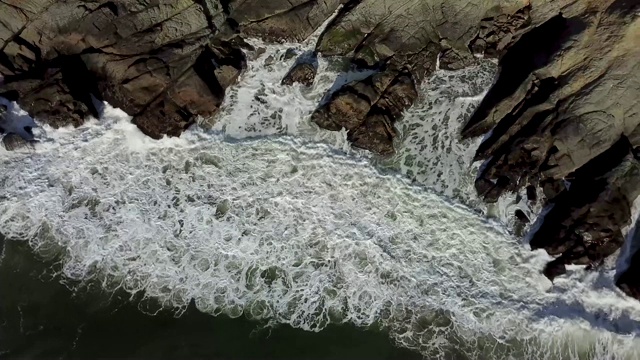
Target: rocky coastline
562 119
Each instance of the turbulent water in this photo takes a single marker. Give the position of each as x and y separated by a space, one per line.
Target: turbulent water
259 213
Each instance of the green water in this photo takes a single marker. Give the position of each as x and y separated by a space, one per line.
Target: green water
41 318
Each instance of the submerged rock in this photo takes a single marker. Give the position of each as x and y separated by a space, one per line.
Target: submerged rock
12 142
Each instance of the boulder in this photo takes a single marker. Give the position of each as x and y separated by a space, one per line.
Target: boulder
406 37
303 73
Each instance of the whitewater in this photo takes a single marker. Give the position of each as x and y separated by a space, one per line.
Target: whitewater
259 213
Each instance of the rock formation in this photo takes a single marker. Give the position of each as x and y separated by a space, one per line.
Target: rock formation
403 40
563 116
161 63
303 72
278 20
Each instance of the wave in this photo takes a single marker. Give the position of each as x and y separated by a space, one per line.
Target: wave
298 228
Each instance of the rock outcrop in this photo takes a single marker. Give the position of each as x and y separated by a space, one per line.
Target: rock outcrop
303 71
161 63
563 116
368 109
278 20
584 226
403 41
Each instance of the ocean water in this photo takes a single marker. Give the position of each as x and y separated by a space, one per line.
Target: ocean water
257 222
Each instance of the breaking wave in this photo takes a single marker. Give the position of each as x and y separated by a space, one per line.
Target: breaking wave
261 214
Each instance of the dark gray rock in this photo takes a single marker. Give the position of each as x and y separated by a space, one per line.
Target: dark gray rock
278 20
303 73
368 109
160 62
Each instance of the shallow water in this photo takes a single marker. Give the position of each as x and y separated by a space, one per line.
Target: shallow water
267 218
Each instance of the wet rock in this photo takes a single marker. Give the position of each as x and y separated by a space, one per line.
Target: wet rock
451 59
12 142
59 96
532 194
369 109
522 217
270 60
290 54
303 73
223 208
160 62
585 225
554 269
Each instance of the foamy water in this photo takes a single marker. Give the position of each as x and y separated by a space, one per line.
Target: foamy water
269 217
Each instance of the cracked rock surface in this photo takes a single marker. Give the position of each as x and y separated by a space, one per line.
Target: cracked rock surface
152 61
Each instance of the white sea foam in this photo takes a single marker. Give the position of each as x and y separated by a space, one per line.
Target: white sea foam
299 233
268 216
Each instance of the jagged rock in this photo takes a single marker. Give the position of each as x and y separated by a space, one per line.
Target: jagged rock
278 20
451 59
368 109
563 115
584 226
303 73
406 37
59 96
158 62
556 105
412 33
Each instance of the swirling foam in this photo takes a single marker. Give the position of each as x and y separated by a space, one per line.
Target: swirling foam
301 234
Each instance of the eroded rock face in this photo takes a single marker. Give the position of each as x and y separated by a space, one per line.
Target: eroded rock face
563 116
368 109
406 37
161 62
584 226
278 20
303 72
